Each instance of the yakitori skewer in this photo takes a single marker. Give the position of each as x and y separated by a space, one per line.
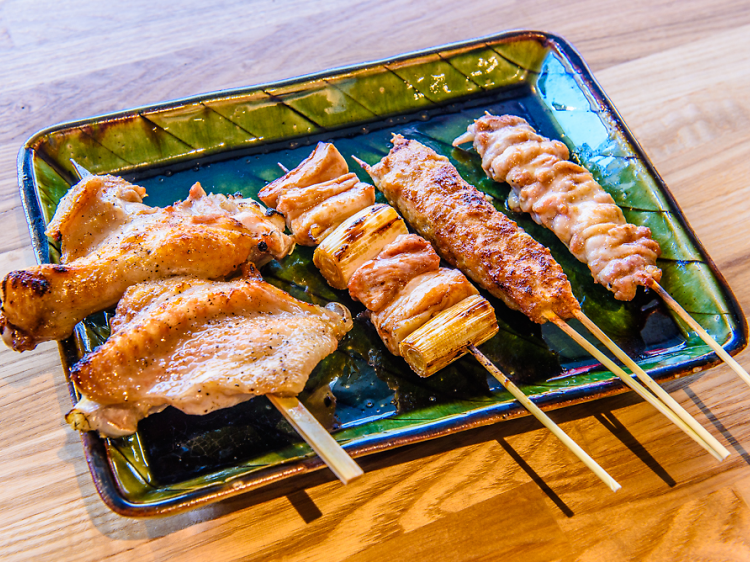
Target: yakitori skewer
337 459
429 315
566 198
470 233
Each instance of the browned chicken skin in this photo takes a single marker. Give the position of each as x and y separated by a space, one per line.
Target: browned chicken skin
469 233
377 282
565 198
313 212
199 346
324 164
111 240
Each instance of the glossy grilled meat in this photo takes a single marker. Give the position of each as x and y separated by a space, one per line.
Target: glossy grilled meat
420 300
111 240
565 198
469 233
199 346
313 212
377 282
324 164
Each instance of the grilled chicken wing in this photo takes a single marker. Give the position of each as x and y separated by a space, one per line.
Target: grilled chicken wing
565 198
111 240
199 346
468 232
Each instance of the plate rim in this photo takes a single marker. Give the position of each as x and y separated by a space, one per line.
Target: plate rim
99 461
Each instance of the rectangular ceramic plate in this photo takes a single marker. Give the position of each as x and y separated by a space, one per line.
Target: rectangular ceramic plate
233 141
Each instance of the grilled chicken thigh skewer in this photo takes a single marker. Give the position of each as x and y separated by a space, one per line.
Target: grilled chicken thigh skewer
565 198
470 233
428 314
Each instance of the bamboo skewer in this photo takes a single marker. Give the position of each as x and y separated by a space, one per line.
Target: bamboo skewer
423 361
309 428
545 420
342 465
642 392
704 335
653 386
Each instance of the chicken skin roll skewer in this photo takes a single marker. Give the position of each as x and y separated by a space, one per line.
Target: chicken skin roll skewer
324 164
111 240
565 198
469 233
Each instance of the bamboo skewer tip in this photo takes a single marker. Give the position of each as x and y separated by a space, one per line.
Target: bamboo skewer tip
632 384
702 333
653 386
545 419
338 460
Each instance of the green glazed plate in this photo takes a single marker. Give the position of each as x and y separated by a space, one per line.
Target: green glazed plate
233 141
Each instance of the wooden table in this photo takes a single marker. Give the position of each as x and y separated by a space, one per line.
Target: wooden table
679 74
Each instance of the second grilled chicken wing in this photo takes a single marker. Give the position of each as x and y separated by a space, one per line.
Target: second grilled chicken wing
199 346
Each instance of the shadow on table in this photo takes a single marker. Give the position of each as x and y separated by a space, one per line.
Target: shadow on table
297 490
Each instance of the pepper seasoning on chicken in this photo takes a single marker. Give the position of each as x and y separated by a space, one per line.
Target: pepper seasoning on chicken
199 346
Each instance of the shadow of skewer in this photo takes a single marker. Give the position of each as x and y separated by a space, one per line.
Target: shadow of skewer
608 420
305 506
535 477
717 424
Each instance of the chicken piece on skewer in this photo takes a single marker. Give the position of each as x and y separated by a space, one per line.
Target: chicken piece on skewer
420 300
324 164
469 233
376 283
313 212
111 240
200 346
565 198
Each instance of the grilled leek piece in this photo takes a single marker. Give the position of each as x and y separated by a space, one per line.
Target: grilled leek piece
447 336
358 239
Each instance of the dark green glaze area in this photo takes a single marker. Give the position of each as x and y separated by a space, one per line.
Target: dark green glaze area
235 143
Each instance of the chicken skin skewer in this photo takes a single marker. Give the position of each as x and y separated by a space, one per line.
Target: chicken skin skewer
565 198
111 240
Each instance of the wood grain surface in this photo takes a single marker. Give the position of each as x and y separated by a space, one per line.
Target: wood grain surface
679 74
